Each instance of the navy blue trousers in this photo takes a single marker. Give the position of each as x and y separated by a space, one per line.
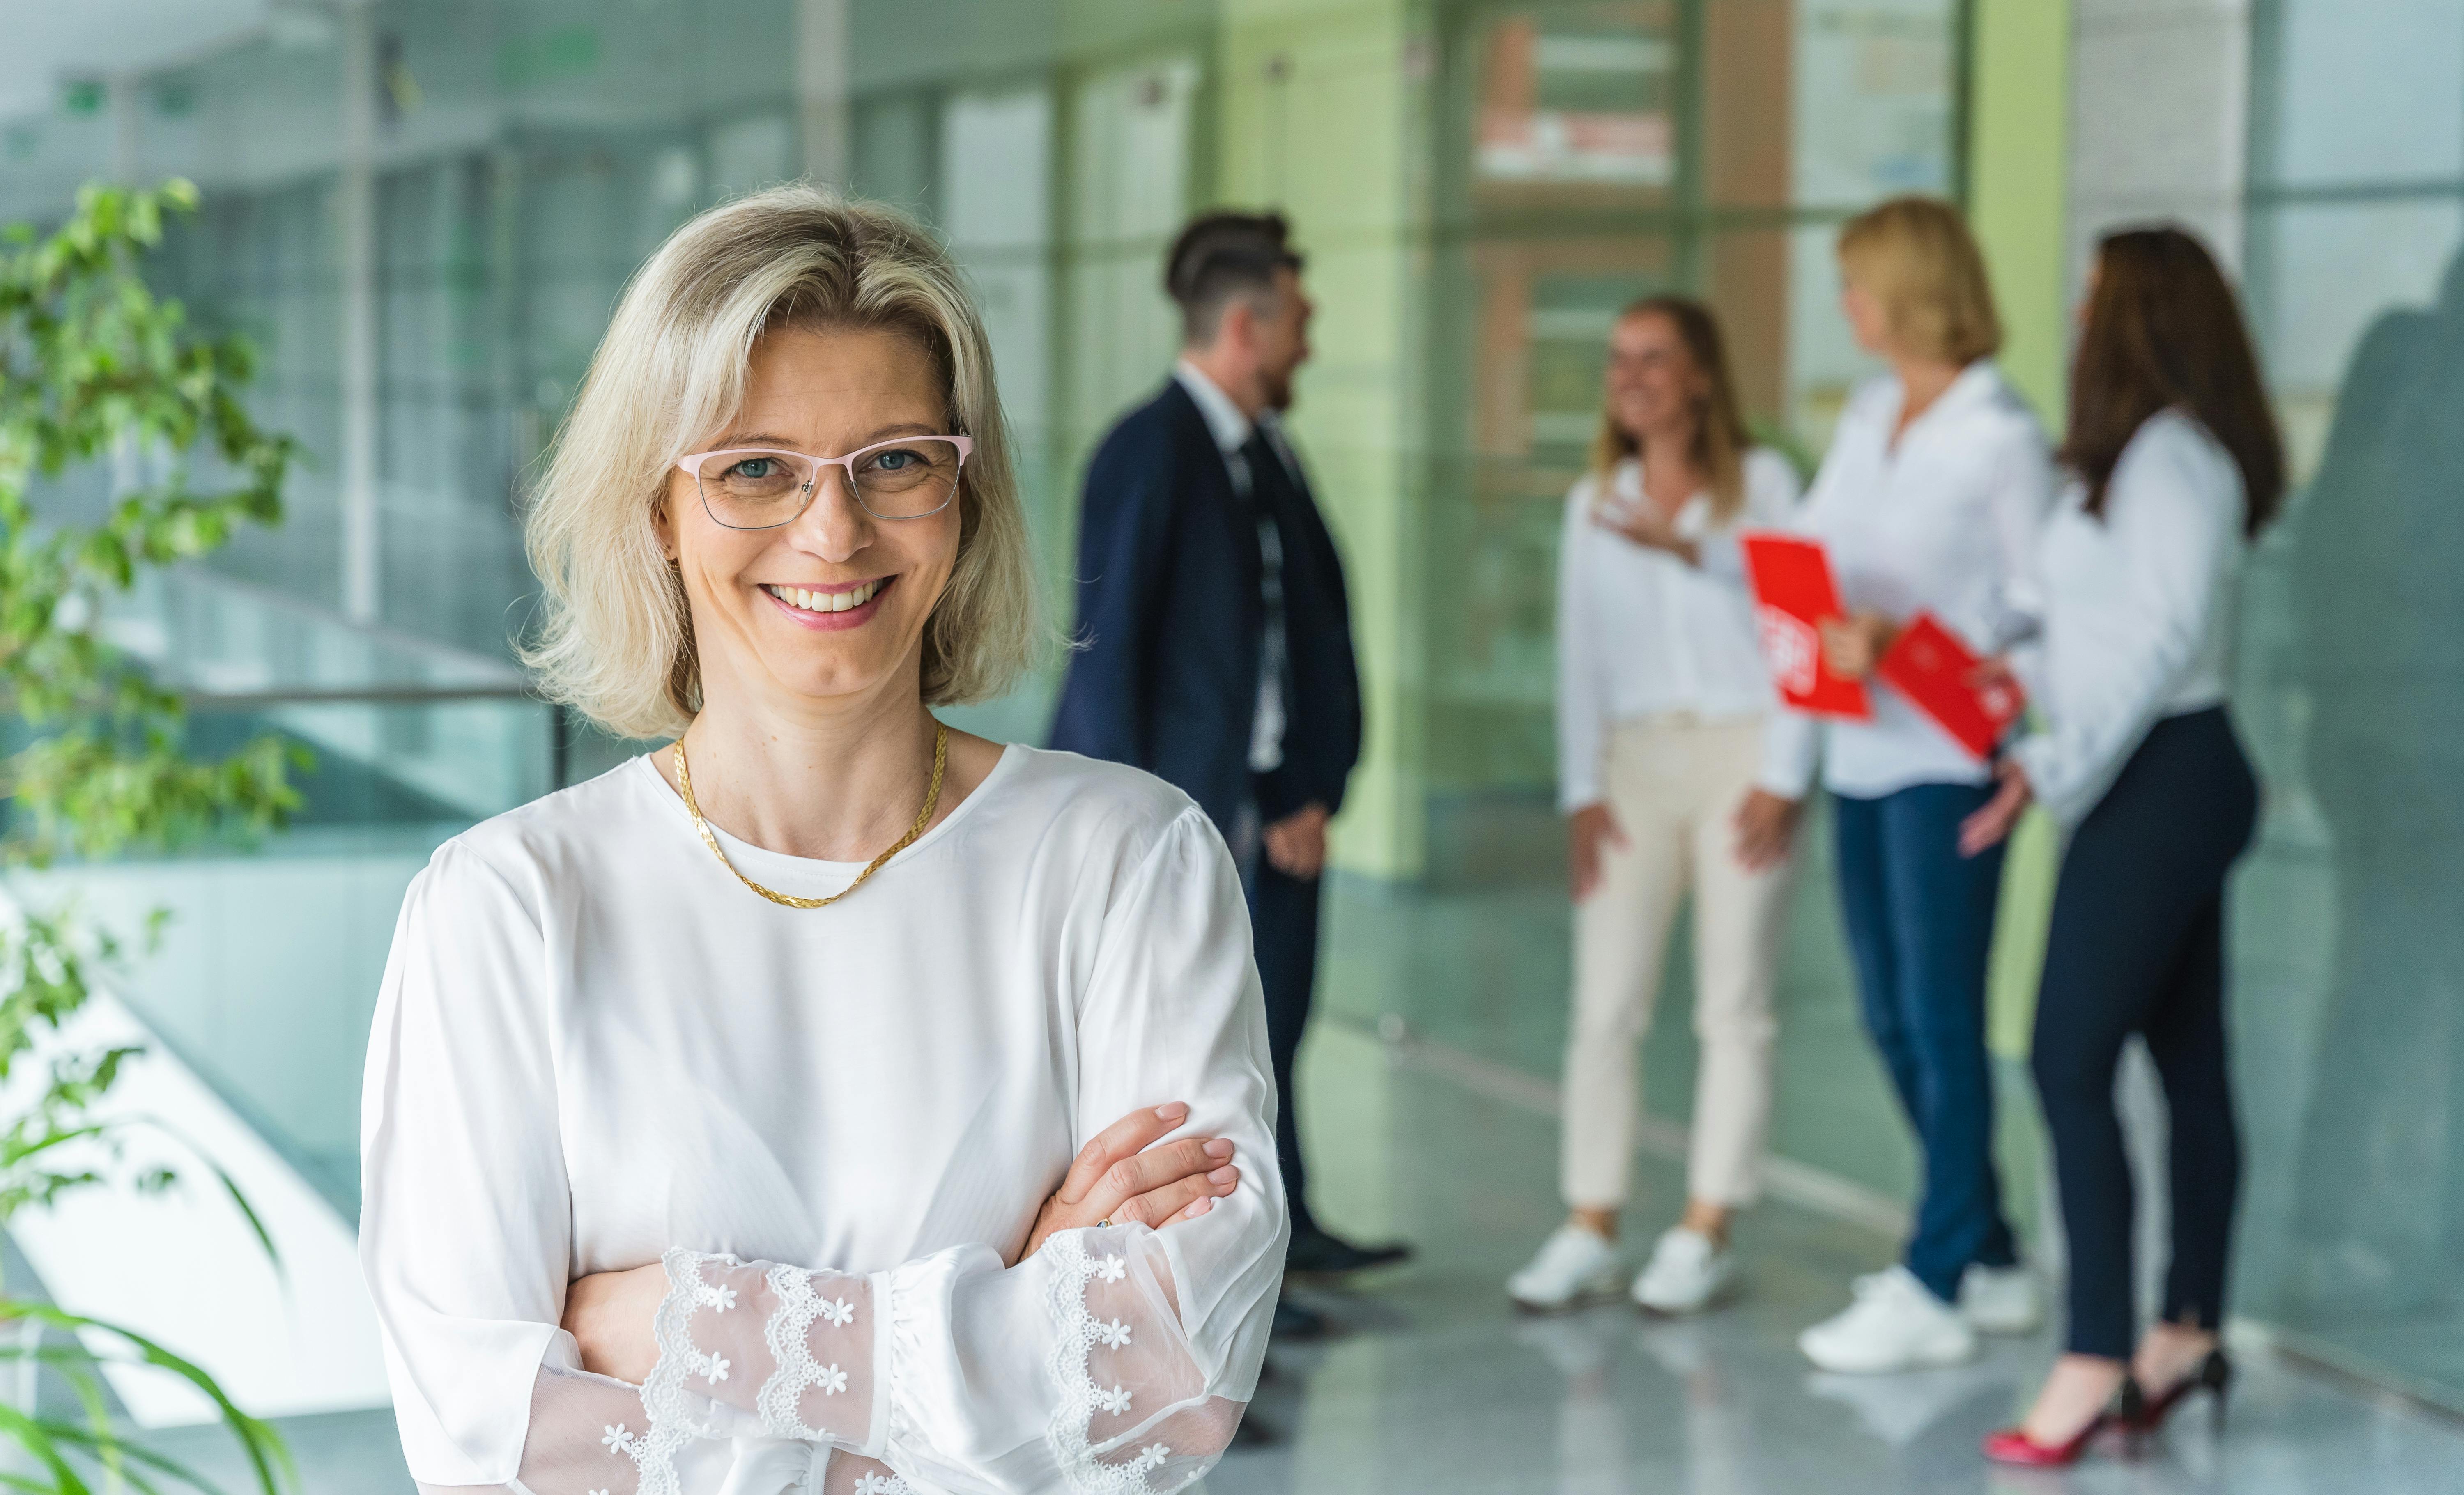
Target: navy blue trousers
1920 924
2138 946
1283 916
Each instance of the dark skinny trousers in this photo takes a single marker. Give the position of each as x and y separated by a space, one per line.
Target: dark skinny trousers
2137 946
1920 925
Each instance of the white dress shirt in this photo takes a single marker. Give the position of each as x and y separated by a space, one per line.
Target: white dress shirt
596 1049
2139 610
1942 521
1231 430
1640 633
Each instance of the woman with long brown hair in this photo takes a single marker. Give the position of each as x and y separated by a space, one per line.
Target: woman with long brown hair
1662 703
2176 464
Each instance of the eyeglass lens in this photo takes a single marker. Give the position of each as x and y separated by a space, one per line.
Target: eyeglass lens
760 490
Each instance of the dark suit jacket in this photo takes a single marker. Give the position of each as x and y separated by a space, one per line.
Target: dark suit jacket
1169 620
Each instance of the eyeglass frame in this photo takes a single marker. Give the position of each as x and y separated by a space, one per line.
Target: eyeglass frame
692 464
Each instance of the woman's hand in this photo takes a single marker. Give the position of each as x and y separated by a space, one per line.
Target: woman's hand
1589 830
609 1313
1646 525
1986 829
1119 1178
1765 823
1854 645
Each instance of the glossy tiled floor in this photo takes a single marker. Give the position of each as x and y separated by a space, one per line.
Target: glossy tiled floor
1435 1385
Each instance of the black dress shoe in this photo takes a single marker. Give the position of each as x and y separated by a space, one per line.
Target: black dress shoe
1294 1322
1325 1255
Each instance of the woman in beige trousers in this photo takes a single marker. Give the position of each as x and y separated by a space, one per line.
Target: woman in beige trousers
1661 701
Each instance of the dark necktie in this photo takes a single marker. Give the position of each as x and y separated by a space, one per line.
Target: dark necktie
1269 482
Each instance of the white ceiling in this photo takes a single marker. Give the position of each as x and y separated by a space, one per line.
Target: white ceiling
44 41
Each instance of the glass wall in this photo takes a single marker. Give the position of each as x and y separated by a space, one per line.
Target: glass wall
2351 954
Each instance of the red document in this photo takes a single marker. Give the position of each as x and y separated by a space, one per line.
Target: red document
1930 665
1794 593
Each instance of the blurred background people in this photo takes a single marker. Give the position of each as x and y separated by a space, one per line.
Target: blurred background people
1662 702
2176 464
1929 500
1216 641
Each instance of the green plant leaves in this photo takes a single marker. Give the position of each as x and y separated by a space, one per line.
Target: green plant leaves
61 1448
92 363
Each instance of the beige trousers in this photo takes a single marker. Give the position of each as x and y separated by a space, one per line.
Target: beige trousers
1673 784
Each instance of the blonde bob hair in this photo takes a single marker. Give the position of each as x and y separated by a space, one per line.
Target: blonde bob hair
1915 255
615 635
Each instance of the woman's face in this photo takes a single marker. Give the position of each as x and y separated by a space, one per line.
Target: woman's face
1654 386
827 391
1865 316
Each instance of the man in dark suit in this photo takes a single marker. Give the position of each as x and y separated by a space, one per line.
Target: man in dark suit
1217 642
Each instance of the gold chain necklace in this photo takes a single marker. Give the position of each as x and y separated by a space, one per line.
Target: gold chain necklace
923 818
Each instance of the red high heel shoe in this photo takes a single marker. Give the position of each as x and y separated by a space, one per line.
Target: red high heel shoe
2214 1377
2127 1412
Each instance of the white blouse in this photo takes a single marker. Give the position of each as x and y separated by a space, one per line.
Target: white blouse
596 1049
2139 610
1944 521
1640 633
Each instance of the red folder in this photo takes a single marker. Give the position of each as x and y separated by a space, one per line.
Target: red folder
1930 665
1794 593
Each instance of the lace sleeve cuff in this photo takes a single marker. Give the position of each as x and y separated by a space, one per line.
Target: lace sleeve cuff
788 1350
1070 1372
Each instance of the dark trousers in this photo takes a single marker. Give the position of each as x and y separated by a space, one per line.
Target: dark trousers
1920 924
2137 946
1283 916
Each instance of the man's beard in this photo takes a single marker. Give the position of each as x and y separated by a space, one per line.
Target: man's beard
1279 389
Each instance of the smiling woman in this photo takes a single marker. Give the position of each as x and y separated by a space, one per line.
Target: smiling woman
743 333
829 1101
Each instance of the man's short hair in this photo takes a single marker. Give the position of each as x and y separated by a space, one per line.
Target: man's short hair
1221 256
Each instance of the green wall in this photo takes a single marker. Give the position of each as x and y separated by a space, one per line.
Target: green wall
1319 117
2019 151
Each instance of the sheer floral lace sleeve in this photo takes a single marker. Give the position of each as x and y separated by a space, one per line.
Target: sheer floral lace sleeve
1070 1371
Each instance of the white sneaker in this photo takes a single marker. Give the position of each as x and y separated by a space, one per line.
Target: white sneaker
1686 1275
2002 1300
1573 1265
1895 1325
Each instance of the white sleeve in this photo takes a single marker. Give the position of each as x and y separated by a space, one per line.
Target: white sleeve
1771 496
1791 739
465 1225
1791 750
2024 487
2171 516
1111 1360
1580 696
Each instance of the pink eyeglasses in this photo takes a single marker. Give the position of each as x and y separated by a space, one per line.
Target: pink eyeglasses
761 488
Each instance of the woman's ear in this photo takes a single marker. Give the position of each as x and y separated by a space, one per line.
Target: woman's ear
663 525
